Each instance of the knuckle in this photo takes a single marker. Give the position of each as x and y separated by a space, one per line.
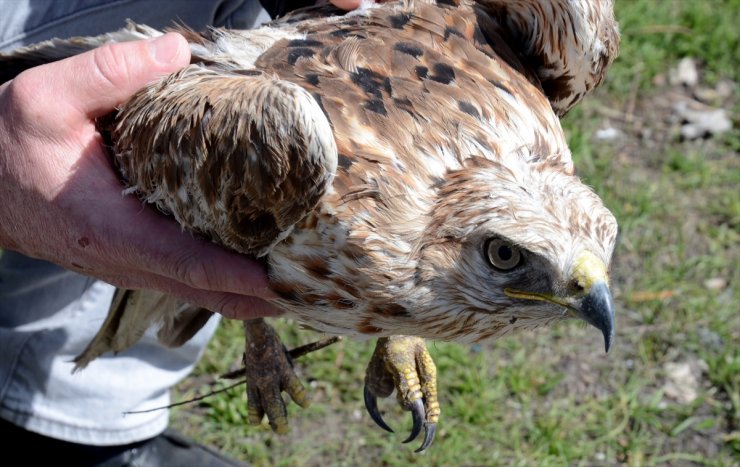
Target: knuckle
227 306
20 96
112 65
191 271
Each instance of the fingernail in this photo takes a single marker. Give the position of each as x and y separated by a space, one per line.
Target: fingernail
166 48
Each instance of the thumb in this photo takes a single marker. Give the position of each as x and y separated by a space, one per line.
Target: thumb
346 4
99 80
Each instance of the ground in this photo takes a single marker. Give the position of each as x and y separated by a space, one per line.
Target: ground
669 391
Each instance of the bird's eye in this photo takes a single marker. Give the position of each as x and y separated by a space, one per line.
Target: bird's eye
502 254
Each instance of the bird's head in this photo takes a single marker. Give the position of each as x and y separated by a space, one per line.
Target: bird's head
516 244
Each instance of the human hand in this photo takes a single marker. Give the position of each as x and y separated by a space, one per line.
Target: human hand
346 4
61 201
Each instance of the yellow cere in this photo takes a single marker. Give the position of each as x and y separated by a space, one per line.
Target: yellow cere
589 270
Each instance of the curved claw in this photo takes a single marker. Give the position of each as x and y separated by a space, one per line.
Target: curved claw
403 363
419 414
371 404
429 431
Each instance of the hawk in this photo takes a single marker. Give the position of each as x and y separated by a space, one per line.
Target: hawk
401 169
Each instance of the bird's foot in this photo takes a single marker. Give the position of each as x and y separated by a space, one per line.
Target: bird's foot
403 363
269 371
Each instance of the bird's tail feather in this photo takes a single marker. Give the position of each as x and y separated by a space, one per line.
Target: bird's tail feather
132 312
183 326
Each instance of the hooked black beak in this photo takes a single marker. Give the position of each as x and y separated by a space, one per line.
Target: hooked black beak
597 309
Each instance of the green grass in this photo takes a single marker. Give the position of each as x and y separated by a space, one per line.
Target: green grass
551 397
656 33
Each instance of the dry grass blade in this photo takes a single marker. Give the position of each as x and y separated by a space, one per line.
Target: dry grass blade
297 352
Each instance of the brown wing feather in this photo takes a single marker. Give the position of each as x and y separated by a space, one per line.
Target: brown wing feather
569 44
244 188
237 158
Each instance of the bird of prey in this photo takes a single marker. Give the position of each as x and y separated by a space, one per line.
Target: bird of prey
401 169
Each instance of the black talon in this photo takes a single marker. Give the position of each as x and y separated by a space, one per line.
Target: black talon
429 430
371 404
418 414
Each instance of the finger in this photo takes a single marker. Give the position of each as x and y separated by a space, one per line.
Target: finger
346 4
195 263
135 236
95 82
232 306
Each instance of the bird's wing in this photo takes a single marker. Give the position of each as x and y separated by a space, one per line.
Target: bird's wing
570 44
236 156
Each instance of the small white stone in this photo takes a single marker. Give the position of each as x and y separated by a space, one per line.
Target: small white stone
683 380
715 283
686 73
701 120
607 134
